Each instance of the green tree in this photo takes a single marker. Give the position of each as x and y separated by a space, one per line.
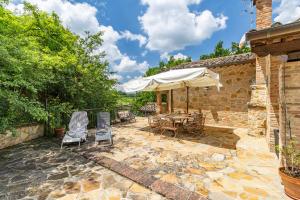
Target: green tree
43 62
164 66
220 51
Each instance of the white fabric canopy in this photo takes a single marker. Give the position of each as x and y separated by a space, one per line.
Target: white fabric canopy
173 79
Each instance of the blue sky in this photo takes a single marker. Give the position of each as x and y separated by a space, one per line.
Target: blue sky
140 33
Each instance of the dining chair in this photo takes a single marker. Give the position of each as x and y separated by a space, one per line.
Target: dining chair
167 125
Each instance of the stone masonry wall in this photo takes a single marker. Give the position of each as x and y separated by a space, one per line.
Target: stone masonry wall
23 134
228 107
292 98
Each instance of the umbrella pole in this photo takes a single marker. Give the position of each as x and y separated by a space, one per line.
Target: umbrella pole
187 100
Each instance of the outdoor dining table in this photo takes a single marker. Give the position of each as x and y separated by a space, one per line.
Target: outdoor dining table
177 119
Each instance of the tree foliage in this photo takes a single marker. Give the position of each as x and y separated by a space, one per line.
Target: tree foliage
42 62
220 51
164 66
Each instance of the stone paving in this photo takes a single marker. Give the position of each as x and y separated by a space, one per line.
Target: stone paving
38 170
222 164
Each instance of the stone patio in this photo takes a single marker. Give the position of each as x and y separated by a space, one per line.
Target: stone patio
223 164
38 170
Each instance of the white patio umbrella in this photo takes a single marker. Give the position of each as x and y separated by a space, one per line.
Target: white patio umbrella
174 79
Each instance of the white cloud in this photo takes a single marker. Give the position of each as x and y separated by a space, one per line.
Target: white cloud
134 37
288 11
144 53
117 77
81 17
16 8
78 17
170 25
180 56
166 56
110 38
128 65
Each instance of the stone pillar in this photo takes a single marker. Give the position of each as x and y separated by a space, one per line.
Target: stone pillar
257 111
158 102
260 75
282 109
257 107
168 102
263 13
273 99
170 106
257 116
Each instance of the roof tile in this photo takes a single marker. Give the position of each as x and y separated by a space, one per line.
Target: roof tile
219 62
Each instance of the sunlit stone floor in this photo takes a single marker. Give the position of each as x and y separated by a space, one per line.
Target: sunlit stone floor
222 164
38 170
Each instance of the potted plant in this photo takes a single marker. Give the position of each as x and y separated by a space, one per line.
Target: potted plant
57 114
59 129
290 172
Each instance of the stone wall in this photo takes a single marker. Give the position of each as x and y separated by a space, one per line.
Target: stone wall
23 134
229 106
291 99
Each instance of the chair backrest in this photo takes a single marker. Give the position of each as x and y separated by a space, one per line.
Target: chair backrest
200 120
79 121
123 114
103 120
152 120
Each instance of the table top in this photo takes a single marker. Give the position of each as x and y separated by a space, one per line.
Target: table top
176 116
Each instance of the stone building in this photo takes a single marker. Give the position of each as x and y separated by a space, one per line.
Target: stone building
277 49
261 90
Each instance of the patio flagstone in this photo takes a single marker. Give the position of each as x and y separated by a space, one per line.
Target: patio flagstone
39 170
214 165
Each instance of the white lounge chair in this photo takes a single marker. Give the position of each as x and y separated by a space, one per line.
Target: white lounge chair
77 128
103 130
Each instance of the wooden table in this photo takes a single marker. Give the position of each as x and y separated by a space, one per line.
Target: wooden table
180 118
177 121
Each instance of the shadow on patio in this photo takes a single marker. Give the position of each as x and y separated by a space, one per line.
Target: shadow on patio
223 137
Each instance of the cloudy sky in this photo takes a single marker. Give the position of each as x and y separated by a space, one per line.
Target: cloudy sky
140 33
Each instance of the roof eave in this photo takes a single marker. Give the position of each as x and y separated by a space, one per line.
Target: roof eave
272 32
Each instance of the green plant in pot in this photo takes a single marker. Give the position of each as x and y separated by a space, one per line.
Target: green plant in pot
290 172
58 113
59 128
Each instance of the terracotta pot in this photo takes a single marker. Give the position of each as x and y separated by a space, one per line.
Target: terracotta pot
291 184
59 132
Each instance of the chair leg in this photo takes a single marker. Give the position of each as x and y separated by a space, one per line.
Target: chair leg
61 146
152 131
163 131
79 145
175 134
